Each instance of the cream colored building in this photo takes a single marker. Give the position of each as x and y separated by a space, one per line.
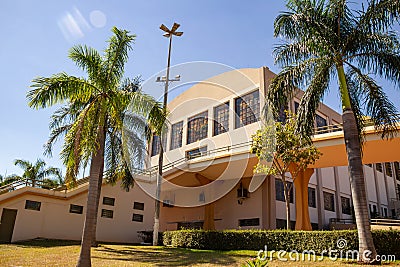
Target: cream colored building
208 173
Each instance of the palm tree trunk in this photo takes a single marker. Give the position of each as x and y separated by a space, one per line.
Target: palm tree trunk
96 174
94 240
357 180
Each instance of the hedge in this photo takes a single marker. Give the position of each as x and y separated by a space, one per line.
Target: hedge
387 242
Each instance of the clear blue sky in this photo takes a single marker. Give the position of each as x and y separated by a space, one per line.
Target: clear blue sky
36 37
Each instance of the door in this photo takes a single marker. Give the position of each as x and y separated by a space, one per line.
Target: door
7 225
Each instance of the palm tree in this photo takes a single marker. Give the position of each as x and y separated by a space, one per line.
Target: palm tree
97 119
36 172
326 40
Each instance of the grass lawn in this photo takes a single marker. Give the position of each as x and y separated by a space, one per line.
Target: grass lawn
65 253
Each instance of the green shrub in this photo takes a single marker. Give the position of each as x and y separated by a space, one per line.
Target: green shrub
386 242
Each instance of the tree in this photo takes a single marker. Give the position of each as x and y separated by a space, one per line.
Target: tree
278 143
36 172
93 121
326 40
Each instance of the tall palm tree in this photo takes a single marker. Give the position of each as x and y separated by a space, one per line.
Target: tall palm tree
326 40
36 172
97 113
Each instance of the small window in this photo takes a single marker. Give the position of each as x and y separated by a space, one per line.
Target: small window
388 168
138 206
249 222
296 107
107 213
379 167
195 153
311 198
137 217
32 205
221 119
108 201
346 208
75 209
321 124
329 201
280 191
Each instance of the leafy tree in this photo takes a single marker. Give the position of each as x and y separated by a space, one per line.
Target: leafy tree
36 172
279 144
94 120
326 40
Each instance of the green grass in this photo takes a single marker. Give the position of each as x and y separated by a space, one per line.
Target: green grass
65 253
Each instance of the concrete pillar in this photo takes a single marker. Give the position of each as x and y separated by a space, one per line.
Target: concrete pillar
320 200
209 217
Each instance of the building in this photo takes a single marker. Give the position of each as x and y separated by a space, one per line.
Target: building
208 175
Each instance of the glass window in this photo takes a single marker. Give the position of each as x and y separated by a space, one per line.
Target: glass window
280 191
176 135
247 109
312 198
155 144
32 205
321 124
397 170
221 119
249 222
109 201
75 209
346 208
388 168
379 167
107 213
296 107
329 201
197 127
137 217
197 152
138 205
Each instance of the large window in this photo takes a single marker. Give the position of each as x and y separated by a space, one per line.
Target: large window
221 119
280 191
197 127
247 109
176 135
155 144
329 201
379 167
397 170
346 208
312 198
321 124
388 168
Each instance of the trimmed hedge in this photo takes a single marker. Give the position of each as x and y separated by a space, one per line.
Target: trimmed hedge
386 242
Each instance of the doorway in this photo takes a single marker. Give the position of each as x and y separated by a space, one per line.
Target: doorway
7 225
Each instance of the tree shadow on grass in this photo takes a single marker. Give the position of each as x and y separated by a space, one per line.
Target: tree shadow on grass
168 256
46 243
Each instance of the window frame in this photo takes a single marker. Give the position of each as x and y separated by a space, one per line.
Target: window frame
221 123
197 127
176 141
254 113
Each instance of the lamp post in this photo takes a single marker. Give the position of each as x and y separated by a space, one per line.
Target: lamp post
168 33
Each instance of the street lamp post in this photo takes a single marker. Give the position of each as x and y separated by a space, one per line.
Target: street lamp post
168 33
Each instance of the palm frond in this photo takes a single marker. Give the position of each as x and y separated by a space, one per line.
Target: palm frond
88 59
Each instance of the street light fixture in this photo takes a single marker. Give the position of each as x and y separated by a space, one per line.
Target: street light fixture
166 80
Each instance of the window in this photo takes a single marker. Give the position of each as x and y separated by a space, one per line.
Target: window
75 209
296 107
329 201
155 144
247 109
197 152
398 192
197 127
388 168
379 167
221 119
397 170
321 124
138 205
280 191
311 198
108 201
369 165
346 208
107 213
137 217
176 135
32 205
249 222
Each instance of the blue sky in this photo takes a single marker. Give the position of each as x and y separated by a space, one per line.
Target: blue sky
36 39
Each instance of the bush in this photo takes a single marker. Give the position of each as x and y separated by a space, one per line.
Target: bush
386 242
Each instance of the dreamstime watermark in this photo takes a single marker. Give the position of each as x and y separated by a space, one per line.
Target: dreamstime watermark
340 253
